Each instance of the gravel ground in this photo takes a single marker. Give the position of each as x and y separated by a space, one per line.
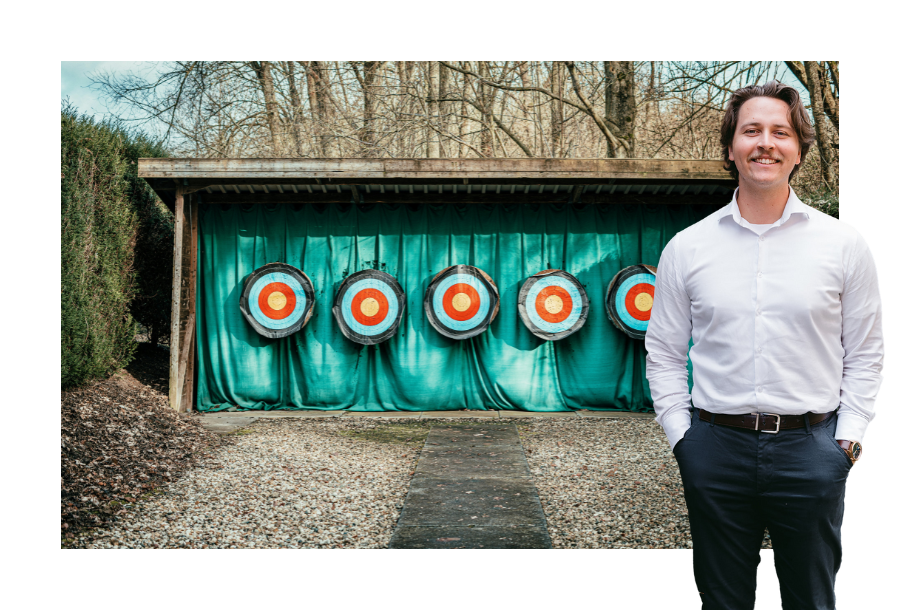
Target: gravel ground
607 483
291 483
341 483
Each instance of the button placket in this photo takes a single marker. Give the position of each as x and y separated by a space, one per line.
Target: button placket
759 321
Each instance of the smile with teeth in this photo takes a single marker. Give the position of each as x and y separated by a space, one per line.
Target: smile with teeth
765 161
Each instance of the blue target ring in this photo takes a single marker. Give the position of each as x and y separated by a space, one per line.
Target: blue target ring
438 305
629 299
537 320
461 301
368 306
362 329
292 307
622 291
259 316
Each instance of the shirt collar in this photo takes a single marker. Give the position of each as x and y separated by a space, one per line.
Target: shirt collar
793 206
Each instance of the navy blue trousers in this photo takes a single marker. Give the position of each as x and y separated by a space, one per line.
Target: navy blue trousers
739 482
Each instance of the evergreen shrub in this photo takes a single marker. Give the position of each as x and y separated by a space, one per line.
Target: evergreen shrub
102 203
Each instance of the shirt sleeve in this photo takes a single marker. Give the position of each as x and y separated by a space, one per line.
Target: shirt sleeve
666 341
863 343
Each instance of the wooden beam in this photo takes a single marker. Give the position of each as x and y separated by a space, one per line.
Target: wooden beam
186 350
363 169
174 337
187 393
473 199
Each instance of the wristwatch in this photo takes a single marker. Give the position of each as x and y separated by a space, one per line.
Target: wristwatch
852 449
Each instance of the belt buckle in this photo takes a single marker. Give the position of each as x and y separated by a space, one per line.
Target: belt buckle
777 423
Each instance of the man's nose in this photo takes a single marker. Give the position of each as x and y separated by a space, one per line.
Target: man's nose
765 141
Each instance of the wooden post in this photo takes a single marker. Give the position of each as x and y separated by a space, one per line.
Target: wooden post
189 348
175 336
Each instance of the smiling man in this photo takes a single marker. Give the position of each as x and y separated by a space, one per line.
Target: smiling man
782 304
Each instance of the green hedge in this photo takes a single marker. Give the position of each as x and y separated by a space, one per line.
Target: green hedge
108 214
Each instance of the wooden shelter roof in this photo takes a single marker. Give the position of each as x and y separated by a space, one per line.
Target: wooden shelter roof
669 181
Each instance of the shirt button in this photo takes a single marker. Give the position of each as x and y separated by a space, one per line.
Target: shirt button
759 388
758 312
759 350
762 238
759 274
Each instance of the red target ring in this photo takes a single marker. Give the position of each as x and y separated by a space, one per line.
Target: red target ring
365 311
277 294
631 300
461 295
559 306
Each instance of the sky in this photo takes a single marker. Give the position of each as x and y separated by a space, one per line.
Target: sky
75 82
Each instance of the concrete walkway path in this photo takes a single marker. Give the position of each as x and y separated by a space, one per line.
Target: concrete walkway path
225 422
472 490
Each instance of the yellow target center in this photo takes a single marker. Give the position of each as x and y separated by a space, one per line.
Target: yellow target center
643 301
369 307
277 300
461 301
553 304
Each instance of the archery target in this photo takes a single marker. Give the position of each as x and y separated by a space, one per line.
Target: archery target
369 306
553 304
461 301
629 299
277 300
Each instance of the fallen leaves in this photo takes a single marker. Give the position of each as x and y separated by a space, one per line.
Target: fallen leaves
119 441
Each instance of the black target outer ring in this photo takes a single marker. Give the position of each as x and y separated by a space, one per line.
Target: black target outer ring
523 313
388 279
493 307
612 291
308 291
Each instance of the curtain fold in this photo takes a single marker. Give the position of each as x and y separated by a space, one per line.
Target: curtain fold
506 367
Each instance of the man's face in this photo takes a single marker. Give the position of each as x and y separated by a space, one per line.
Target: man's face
765 147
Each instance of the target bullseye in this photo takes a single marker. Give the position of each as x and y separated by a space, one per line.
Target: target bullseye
277 300
553 304
369 306
461 301
629 299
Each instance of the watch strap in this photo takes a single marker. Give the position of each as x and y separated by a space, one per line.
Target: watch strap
852 448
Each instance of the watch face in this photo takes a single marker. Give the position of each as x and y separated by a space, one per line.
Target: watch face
856 450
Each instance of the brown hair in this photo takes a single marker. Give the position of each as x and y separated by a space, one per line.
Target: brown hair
799 118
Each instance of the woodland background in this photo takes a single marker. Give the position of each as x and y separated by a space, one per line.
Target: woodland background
117 236
460 109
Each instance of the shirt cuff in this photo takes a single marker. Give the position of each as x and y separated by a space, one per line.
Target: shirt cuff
676 425
850 427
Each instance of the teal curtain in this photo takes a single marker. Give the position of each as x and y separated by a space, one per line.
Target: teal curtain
505 367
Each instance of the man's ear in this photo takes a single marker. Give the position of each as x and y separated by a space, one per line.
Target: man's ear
731 154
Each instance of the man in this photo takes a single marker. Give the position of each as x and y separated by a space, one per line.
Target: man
782 304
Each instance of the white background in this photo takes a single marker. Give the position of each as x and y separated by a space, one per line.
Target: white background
39 574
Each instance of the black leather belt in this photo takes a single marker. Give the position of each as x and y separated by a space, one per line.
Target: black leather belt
764 422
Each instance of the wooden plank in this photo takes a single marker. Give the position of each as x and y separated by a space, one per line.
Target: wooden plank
194 253
165 185
472 199
430 168
183 357
175 335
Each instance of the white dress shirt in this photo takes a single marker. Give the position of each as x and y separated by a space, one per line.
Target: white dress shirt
786 321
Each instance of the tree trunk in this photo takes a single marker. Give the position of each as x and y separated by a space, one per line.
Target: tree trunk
620 107
814 73
296 107
432 144
528 105
486 102
370 74
320 83
444 107
557 111
263 71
